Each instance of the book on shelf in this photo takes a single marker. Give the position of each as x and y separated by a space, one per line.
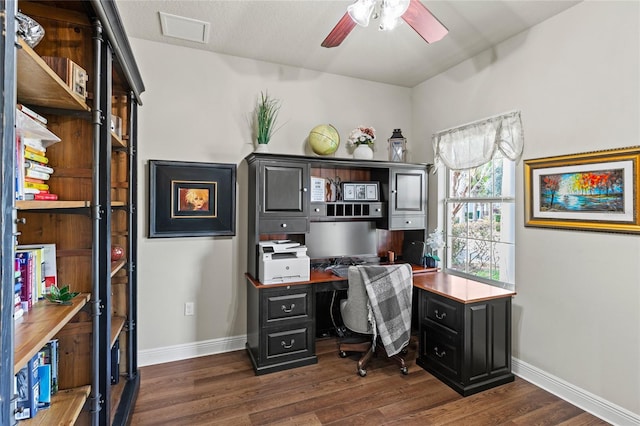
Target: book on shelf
45 197
33 180
31 113
49 356
34 185
50 267
36 144
27 388
35 174
39 151
35 157
38 167
26 272
44 381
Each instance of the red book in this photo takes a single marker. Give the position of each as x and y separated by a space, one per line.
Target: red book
45 197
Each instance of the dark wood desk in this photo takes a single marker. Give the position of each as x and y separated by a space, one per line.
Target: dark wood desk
464 327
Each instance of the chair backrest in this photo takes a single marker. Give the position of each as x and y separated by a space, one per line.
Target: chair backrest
354 310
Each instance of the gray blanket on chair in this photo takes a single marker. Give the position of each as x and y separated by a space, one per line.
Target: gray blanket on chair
389 288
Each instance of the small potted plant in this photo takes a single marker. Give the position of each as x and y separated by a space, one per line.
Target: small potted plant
61 296
266 113
362 138
435 243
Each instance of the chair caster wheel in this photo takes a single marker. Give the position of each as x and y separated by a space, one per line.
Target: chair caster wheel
362 372
342 354
404 370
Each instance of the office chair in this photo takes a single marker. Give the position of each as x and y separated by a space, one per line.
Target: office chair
369 285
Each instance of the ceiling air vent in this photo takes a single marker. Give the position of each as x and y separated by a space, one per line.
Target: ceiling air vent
184 28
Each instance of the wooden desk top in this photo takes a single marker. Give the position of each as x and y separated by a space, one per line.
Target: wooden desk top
457 288
318 276
460 289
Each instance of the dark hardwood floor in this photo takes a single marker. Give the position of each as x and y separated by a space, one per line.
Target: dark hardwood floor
222 389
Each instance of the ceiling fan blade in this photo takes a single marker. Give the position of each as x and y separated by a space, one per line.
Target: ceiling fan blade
424 23
339 32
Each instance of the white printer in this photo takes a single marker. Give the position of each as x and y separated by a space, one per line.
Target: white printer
282 261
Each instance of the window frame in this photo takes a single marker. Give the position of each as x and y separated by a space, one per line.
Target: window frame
448 200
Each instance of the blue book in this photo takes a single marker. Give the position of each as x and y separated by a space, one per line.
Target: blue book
44 376
27 386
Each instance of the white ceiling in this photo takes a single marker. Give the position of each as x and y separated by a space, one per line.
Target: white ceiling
289 32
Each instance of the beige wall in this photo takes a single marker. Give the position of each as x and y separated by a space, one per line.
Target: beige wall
197 107
576 80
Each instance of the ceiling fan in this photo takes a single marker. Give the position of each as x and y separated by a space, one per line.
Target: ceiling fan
413 12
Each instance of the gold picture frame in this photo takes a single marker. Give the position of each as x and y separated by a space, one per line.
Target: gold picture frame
592 191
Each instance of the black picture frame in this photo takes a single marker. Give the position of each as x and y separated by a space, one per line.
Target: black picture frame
191 199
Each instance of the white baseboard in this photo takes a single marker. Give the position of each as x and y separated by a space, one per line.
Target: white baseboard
190 350
589 402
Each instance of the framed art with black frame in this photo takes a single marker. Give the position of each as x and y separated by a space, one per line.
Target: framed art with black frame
191 199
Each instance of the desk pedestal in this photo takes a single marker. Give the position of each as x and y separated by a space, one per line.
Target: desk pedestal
280 327
466 345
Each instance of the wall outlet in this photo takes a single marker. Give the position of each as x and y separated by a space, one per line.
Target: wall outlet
189 308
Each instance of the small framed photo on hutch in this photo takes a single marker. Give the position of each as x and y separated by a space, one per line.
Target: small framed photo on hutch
360 191
191 199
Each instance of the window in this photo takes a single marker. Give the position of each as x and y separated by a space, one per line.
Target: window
480 222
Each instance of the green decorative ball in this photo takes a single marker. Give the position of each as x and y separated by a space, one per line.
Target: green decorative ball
324 139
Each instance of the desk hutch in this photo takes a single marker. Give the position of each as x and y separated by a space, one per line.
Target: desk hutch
464 326
95 178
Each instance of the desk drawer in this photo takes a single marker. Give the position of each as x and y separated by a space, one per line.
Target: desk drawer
289 343
407 222
442 349
291 302
444 312
286 225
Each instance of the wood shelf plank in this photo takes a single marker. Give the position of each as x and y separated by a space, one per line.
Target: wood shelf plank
117 324
117 142
39 85
65 408
117 265
40 205
36 327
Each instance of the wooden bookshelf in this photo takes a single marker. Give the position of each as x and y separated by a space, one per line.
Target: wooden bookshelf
36 327
39 85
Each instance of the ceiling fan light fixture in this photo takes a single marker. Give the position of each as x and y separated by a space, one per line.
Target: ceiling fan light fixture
360 11
390 13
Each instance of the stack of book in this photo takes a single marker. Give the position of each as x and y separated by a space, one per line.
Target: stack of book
37 272
36 382
33 170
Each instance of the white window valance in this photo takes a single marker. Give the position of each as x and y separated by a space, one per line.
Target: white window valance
474 144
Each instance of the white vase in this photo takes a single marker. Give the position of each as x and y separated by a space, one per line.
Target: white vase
262 147
363 152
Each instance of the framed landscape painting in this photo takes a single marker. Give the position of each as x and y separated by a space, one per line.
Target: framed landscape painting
594 191
190 199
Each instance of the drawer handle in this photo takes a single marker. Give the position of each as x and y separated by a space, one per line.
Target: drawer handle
290 345
316 209
284 225
288 310
439 354
440 316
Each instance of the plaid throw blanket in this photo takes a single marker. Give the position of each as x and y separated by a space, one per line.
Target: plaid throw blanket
389 288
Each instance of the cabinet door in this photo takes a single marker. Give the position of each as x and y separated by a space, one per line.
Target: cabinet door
283 189
408 192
